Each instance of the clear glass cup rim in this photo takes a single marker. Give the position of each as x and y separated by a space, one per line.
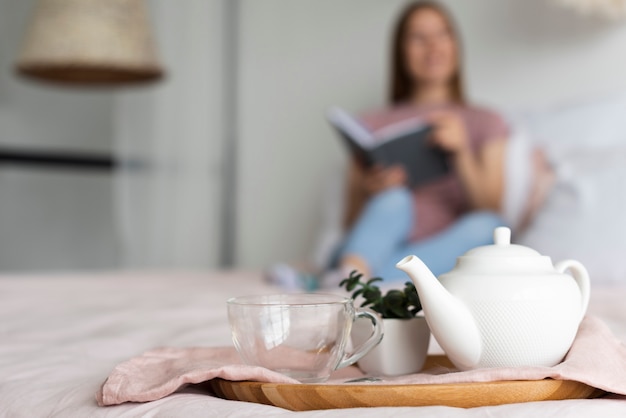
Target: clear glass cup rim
290 300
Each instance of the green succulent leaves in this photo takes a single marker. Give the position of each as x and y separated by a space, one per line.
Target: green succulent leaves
400 304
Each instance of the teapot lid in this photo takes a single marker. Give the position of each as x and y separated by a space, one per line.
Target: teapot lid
502 258
502 247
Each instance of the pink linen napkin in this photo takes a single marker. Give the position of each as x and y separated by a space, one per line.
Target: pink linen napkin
596 358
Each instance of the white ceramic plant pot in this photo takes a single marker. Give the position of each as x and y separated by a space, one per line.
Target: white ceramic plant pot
402 350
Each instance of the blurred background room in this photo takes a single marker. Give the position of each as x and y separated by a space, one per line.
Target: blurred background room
228 160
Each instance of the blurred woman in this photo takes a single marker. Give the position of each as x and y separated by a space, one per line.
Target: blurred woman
384 219
441 220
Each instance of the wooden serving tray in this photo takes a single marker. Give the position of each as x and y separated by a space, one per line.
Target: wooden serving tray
306 397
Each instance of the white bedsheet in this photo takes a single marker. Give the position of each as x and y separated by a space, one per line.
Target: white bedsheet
61 335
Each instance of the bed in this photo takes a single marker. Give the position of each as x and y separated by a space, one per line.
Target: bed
60 336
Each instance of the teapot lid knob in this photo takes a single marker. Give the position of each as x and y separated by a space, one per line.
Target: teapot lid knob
502 236
502 249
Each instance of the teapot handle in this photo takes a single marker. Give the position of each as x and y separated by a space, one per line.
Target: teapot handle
579 272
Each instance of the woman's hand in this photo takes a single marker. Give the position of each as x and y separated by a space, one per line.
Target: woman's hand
481 173
449 132
379 178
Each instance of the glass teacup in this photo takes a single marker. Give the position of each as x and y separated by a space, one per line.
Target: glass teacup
303 336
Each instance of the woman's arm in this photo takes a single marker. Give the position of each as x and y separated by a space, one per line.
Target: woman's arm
482 172
355 196
482 175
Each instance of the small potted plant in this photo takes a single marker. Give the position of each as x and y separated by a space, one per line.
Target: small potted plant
404 346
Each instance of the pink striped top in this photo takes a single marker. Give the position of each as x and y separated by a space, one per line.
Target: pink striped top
440 203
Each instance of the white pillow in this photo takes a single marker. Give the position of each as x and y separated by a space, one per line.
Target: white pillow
584 216
591 124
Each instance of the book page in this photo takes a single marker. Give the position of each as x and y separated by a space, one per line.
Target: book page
348 124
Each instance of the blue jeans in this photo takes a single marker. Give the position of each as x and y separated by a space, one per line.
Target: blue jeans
381 236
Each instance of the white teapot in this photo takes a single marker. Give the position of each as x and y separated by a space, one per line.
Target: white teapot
503 305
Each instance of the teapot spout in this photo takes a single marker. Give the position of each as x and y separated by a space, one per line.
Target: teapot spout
450 321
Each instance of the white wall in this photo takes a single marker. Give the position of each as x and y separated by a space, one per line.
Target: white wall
51 219
534 53
299 56
171 212
296 59
167 216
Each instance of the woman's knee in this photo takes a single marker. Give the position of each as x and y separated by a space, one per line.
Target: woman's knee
392 201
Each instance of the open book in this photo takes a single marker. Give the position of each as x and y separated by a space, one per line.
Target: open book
402 143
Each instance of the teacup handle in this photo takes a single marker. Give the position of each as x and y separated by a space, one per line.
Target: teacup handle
370 343
579 272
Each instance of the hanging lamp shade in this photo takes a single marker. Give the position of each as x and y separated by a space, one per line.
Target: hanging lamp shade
614 10
90 42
